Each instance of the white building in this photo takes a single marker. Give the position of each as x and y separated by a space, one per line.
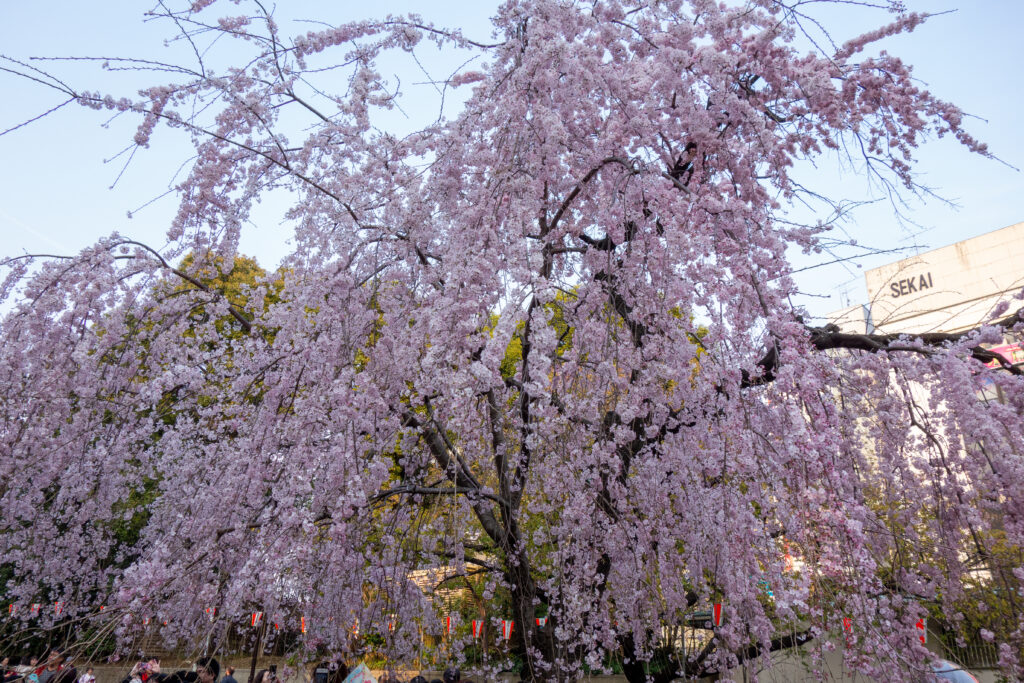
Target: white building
948 289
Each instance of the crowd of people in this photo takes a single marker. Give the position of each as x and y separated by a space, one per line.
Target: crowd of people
58 669
54 669
451 675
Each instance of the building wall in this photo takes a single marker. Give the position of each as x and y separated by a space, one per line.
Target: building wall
947 289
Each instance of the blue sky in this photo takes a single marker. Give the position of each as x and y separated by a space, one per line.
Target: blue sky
55 189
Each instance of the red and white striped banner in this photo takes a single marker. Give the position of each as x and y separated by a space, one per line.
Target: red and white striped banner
478 627
541 621
506 628
12 609
716 614
257 618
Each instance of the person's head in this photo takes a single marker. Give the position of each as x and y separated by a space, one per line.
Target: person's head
207 669
32 661
452 675
418 679
230 670
88 670
55 658
183 677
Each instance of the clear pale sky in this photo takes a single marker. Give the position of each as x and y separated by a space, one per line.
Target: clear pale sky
55 194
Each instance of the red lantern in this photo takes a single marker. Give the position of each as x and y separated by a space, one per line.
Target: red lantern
506 628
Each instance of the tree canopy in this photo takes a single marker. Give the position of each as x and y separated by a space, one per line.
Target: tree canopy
548 342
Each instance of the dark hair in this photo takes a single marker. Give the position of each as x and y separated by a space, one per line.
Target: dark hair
418 679
210 664
452 675
182 676
230 670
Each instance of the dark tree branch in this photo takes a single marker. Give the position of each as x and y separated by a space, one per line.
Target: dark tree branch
830 337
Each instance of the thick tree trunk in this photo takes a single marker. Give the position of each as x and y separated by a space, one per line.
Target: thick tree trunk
637 671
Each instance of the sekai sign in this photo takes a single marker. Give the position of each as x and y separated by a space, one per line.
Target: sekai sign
910 285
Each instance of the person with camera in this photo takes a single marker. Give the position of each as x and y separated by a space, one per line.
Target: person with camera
146 670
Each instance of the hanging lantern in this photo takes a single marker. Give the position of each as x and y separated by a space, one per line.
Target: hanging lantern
478 627
716 614
257 618
506 628
922 629
541 621
302 624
